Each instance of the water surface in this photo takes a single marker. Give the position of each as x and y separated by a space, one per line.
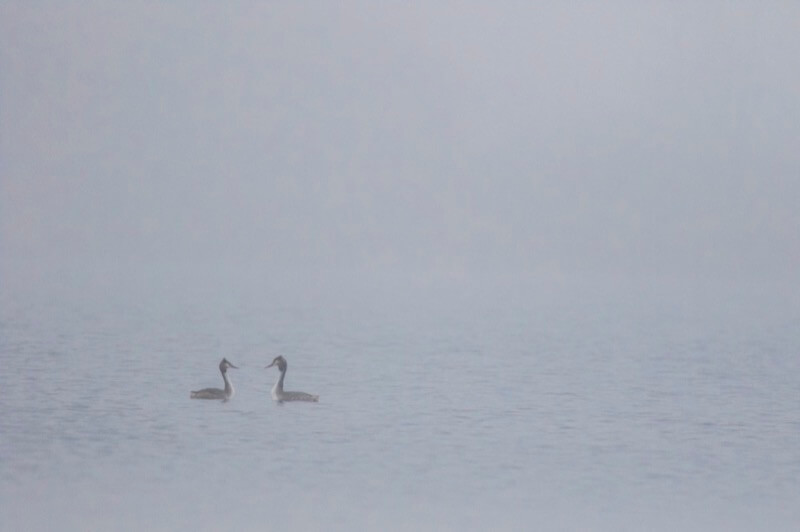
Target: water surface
465 406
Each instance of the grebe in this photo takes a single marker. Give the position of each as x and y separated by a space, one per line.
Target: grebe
216 393
277 391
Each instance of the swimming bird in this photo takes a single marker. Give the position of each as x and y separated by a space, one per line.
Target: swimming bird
277 391
216 393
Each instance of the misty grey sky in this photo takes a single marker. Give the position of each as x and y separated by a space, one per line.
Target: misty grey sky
455 137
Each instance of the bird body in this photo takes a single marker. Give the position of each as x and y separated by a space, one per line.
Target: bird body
278 393
216 393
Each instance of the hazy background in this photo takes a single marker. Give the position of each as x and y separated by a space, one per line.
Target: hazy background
541 261
438 140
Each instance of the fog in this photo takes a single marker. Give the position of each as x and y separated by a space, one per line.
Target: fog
511 245
446 139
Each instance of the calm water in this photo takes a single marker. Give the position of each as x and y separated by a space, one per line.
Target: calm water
567 407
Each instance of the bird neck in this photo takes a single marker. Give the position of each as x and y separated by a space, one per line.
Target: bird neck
279 384
228 385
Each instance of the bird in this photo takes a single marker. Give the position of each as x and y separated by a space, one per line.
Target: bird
216 393
277 391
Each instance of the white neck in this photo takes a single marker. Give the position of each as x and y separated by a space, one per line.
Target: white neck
277 390
228 386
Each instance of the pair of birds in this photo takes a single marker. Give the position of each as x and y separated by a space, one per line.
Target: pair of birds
278 393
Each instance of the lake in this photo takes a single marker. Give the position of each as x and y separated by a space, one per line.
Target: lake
444 405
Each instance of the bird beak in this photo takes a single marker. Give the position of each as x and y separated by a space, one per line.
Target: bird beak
231 365
273 363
